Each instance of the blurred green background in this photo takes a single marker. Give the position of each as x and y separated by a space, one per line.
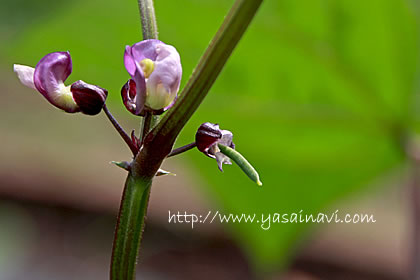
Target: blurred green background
320 96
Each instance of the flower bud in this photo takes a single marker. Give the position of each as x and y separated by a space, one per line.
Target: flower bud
48 78
155 69
89 98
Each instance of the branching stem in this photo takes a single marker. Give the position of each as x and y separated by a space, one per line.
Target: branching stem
182 149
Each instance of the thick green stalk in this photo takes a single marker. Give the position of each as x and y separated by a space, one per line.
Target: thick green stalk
133 208
130 226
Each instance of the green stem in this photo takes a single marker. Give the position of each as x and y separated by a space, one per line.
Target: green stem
133 208
148 19
129 227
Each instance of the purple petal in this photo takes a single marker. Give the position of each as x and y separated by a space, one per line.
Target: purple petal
49 76
133 68
140 89
163 83
145 49
129 62
51 72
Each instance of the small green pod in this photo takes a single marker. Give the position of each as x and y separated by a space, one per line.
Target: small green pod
242 162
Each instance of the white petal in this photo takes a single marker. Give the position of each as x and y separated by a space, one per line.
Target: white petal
25 74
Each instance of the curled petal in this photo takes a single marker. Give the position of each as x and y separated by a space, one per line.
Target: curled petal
49 76
89 98
25 74
51 72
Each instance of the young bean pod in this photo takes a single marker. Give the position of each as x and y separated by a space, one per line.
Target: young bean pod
242 162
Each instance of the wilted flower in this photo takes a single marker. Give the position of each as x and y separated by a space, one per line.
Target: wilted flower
48 78
155 69
207 138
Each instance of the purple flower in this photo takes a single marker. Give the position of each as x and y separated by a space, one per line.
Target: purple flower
155 70
207 138
48 78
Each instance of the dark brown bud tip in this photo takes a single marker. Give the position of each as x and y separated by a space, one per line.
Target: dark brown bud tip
207 135
89 98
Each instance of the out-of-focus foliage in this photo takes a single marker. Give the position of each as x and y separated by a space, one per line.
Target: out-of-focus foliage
317 94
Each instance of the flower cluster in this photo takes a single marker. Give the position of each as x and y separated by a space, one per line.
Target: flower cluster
155 70
154 67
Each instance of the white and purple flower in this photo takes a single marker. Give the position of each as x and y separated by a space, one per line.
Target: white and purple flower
156 71
48 78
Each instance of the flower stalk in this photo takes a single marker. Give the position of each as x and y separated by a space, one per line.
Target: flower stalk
149 31
120 130
182 149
